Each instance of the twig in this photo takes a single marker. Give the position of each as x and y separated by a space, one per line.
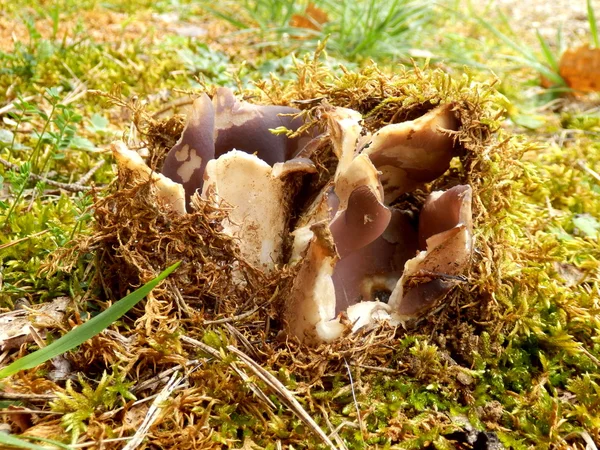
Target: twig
333 433
18 396
90 173
243 315
8 108
248 347
161 376
29 411
181 303
71 187
591 172
154 412
348 424
283 394
18 241
174 104
589 355
100 442
243 375
589 442
233 318
358 416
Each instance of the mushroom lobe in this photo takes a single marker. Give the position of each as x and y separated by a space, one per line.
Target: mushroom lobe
363 221
168 192
429 276
415 152
186 161
310 309
371 272
243 126
258 201
223 124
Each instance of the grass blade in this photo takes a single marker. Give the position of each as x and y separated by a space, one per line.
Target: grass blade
550 58
540 68
86 331
13 441
227 17
593 26
504 38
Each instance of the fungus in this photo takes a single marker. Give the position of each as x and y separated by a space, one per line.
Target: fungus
374 247
243 126
352 266
358 257
186 161
310 309
259 198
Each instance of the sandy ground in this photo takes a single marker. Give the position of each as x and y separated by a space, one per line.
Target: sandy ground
525 15
548 16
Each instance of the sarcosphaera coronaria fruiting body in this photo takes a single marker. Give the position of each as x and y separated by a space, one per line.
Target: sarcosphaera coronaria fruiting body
359 257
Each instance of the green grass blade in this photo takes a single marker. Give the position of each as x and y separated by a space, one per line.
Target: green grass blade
48 441
560 42
86 331
548 54
593 26
227 17
504 38
13 441
538 67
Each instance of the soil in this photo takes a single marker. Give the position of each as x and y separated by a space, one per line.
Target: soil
548 17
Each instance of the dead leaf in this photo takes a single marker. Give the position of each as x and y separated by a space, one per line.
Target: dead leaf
46 430
571 275
312 19
19 421
580 68
134 416
16 327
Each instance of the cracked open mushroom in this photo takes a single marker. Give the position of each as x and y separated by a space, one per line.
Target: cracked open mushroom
358 257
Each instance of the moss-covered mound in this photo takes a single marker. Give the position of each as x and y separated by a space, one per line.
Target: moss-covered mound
510 352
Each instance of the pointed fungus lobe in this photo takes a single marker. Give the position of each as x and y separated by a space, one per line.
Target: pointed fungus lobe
310 309
360 172
169 192
243 126
415 152
186 161
443 211
258 201
294 166
323 209
344 129
445 225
